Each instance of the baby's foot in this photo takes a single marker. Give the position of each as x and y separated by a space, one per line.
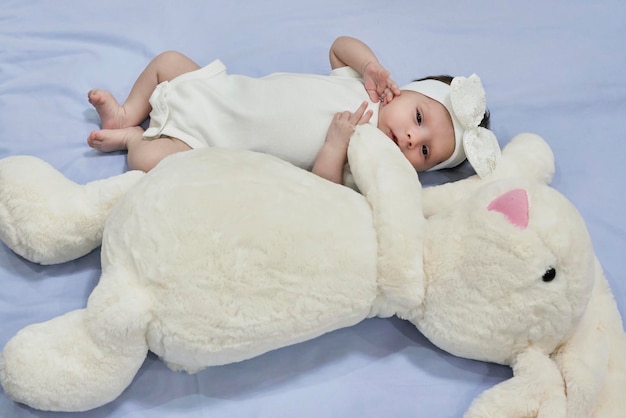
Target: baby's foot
109 140
112 115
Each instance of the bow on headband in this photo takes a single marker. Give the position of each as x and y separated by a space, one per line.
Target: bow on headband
481 147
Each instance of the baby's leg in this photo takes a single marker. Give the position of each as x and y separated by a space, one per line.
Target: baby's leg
145 154
109 140
136 108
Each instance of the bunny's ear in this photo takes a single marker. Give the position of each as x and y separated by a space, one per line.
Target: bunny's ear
514 205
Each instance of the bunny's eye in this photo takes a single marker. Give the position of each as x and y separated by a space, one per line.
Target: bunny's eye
549 275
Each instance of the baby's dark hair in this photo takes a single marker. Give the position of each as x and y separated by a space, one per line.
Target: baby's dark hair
448 79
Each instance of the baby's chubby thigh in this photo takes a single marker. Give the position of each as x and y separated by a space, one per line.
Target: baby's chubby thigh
145 153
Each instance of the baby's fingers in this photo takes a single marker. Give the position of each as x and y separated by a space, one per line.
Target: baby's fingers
366 117
395 90
390 92
373 94
357 116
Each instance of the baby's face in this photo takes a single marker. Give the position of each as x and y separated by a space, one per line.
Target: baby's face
420 126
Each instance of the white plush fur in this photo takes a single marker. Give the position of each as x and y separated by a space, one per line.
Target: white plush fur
217 256
31 191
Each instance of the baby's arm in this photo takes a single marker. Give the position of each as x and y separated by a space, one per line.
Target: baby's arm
351 52
332 157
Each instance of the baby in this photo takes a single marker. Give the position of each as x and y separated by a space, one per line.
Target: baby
283 114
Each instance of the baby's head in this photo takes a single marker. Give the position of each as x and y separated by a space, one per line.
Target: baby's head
429 119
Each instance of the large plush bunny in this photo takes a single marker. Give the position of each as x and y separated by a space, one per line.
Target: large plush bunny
217 256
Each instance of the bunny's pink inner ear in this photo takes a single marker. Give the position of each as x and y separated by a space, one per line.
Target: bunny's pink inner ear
514 205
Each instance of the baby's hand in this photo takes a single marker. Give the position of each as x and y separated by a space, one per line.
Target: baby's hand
378 84
333 154
342 126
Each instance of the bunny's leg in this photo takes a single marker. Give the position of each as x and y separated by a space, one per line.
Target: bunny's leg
48 219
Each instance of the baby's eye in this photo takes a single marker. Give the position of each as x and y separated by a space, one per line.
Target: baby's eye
425 150
419 118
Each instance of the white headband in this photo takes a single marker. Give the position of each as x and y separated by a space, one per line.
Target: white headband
465 101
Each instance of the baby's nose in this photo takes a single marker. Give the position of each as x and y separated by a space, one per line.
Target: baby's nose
412 139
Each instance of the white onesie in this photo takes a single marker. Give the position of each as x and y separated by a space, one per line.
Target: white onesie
283 114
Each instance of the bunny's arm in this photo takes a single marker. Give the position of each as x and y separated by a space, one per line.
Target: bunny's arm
392 189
